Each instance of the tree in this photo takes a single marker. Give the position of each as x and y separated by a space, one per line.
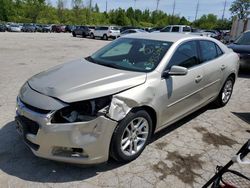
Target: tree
60 10
5 9
241 8
96 8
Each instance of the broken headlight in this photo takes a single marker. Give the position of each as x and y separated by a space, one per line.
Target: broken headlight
82 111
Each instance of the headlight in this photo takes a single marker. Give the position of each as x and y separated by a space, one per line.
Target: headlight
82 111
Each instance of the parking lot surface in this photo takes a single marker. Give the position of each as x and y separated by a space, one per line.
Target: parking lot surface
183 155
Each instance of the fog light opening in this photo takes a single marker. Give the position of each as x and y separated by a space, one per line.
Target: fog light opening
69 152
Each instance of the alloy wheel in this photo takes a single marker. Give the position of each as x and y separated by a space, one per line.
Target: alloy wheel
134 136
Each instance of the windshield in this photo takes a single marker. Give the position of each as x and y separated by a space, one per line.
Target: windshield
244 39
140 55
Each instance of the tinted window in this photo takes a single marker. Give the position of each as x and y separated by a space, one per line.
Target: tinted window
186 55
175 29
104 28
186 29
208 50
244 39
166 29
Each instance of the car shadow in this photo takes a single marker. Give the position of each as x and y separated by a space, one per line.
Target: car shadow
245 116
181 122
244 74
16 159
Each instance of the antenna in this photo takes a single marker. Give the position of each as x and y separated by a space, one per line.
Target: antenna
223 15
197 10
157 4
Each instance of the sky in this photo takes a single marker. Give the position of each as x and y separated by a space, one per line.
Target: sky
185 8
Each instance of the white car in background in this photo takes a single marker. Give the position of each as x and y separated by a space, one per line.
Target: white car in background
15 28
176 29
106 32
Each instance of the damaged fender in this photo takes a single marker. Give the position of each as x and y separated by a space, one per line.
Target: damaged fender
121 104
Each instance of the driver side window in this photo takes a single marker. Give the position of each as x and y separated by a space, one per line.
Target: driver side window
186 55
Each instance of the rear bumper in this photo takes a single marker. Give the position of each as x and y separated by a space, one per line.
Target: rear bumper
81 143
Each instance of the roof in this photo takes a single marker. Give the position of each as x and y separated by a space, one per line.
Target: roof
164 36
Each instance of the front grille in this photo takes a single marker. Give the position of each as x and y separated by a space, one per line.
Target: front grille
29 125
35 109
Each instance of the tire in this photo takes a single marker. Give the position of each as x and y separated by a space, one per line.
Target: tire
92 36
74 34
133 141
105 37
83 35
225 93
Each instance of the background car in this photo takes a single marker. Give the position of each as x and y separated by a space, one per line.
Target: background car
155 29
28 28
58 28
81 30
69 28
177 29
14 28
106 32
130 31
124 28
216 34
47 28
242 47
39 27
3 28
91 29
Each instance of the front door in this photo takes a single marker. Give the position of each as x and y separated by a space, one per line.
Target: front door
182 94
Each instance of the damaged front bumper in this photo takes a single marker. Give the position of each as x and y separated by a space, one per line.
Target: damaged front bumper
80 142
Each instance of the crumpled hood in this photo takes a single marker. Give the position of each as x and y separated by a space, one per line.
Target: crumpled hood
82 80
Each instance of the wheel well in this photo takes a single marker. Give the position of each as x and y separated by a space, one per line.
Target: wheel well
152 114
232 76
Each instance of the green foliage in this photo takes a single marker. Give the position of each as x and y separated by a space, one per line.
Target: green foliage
241 8
41 12
211 21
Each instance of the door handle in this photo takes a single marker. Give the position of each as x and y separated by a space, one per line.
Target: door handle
198 78
223 67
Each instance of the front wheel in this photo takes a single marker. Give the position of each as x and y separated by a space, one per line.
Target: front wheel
105 37
225 93
92 35
131 136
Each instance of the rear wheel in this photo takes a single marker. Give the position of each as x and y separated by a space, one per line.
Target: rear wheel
131 136
92 35
83 35
74 34
225 93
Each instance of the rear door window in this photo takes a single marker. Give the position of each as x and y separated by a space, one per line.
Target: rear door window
186 29
175 29
208 50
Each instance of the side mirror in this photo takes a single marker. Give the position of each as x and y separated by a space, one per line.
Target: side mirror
175 71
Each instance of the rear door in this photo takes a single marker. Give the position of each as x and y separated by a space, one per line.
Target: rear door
214 66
